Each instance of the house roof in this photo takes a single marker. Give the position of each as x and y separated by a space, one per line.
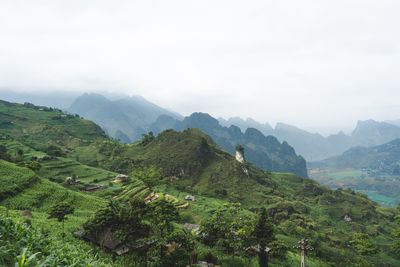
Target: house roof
190 226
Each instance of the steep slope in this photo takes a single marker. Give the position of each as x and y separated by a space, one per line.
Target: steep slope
394 122
22 189
126 119
264 151
46 129
370 133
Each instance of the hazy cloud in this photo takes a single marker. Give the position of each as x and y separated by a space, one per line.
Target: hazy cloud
321 65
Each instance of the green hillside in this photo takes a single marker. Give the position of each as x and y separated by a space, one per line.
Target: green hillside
40 127
40 153
264 151
14 179
190 162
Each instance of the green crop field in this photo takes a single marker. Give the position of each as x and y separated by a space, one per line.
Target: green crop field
61 168
14 179
382 191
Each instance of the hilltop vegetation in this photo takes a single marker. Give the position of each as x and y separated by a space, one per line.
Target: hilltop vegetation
266 152
164 170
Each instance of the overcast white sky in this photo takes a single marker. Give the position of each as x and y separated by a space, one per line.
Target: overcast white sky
320 65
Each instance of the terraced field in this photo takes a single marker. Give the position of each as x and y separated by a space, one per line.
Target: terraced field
14 179
13 146
61 168
135 189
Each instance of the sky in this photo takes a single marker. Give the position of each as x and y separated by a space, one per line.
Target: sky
321 65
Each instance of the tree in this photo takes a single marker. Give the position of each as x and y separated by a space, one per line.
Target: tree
54 151
19 155
59 211
363 245
150 175
147 138
4 154
229 229
180 248
163 213
263 235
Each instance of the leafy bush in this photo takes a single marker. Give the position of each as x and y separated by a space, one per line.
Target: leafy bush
22 245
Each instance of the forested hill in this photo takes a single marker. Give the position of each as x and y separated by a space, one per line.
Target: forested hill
266 152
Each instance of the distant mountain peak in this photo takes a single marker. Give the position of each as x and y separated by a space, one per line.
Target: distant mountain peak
123 117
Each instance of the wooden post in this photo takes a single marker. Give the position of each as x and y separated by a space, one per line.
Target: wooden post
303 246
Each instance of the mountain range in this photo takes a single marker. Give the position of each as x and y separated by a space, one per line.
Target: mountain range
314 146
127 119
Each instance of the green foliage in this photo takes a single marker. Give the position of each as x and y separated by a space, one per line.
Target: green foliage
180 248
135 189
126 221
363 244
4 153
14 179
163 213
54 151
229 229
43 194
61 168
60 210
150 175
263 235
22 245
147 138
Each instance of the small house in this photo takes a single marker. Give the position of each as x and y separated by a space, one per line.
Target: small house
193 228
27 214
120 178
347 218
205 264
92 187
190 198
150 198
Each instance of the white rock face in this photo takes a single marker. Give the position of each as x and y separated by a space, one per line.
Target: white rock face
239 157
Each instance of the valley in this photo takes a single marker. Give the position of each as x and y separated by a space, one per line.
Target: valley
50 157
